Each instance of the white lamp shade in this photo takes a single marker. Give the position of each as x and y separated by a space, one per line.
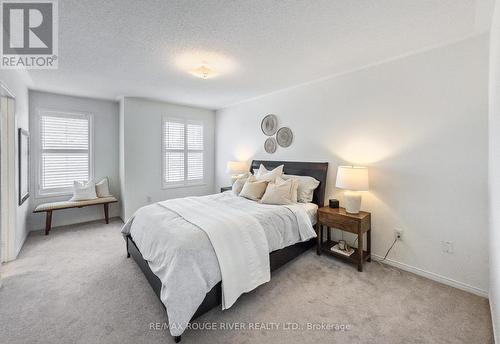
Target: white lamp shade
352 178
236 167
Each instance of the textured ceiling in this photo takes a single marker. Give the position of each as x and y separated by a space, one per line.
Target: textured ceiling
118 48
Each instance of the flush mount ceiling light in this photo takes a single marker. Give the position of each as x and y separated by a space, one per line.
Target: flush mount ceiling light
203 72
204 64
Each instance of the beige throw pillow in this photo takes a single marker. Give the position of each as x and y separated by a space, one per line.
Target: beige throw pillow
295 189
102 188
239 182
307 185
269 176
253 188
281 192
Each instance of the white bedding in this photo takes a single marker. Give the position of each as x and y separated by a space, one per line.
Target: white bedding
242 254
311 210
184 259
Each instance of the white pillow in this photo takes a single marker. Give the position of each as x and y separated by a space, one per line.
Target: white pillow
239 182
269 176
307 185
281 192
102 188
253 189
83 192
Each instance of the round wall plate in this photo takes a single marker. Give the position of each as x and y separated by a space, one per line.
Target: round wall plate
270 145
284 137
269 125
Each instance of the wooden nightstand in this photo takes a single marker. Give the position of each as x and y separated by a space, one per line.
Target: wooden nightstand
225 188
353 223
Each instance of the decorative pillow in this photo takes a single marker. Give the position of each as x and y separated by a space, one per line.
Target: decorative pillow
102 188
253 189
239 182
269 176
295 189
307 185
83 192
295 186
281 192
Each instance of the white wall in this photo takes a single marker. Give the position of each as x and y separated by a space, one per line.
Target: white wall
141 156
494 169
17 82
105 121
420 124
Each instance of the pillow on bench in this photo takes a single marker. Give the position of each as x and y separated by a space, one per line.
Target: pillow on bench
83 192
102 188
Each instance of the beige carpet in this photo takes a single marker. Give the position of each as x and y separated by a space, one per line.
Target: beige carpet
77 286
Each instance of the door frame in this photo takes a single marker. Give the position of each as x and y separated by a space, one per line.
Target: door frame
8 204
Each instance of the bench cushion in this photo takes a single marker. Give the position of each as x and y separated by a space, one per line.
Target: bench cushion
73 204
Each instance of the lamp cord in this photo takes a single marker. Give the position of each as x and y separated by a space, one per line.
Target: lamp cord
385 256
389 250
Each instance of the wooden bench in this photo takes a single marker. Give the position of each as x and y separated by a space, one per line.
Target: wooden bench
50 207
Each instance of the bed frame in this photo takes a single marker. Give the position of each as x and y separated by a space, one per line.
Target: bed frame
278 258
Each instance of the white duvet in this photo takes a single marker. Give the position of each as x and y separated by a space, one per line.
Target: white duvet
181 253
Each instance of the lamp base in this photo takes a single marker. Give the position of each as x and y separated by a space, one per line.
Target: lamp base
234 177
352 202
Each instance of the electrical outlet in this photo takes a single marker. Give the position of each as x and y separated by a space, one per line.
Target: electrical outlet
447 247
398 234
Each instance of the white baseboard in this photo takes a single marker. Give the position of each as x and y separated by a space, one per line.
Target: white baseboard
18 249
433 276
493 322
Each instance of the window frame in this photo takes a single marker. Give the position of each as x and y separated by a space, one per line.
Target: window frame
185 182
39 193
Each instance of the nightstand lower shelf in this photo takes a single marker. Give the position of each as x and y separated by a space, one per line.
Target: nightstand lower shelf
358 224
353 258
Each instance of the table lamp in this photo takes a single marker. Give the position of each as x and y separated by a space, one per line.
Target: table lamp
236 168
352 179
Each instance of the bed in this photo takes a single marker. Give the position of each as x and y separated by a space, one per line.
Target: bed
283 247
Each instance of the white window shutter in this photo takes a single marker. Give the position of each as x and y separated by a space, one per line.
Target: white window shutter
174 135
173 145
64 132
195 152
183 150
174 167
60 170
195 166
195 137
64 151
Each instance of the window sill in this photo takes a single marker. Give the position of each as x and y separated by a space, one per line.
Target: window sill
54 195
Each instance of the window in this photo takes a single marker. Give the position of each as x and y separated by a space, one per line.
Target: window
65 151
182 152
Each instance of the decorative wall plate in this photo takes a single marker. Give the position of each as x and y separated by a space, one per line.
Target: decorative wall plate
270 145
284 137
269 125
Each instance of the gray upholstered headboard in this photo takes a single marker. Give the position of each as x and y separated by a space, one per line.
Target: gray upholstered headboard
317 170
